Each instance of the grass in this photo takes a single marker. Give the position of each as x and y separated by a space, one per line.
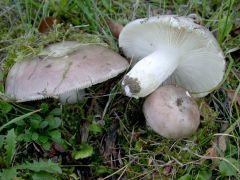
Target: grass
105 135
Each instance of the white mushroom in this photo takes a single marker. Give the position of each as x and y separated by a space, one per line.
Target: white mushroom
171 112
63 74
170 49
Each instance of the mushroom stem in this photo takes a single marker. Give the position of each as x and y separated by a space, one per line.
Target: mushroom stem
149 73
71 97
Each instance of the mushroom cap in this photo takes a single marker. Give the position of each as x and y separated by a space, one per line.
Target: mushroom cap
43 77
171 112
201 60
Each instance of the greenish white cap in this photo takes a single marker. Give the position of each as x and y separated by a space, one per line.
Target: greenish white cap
170 49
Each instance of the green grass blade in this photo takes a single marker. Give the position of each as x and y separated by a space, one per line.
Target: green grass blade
18 119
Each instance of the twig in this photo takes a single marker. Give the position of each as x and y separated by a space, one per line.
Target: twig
119 170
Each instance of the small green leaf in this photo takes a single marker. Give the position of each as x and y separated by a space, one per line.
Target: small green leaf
43 124
44 107
35 136
35 124
55 135
227 169
54 122
43 139
95 128
36 117
99 170
185 177
56 112
47 146
139 145
10 146
85 151
8 174
20 137
27 136
204 175
21 123
37 166
5 107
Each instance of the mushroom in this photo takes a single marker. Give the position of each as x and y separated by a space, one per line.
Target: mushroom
170 49
63 75
171 112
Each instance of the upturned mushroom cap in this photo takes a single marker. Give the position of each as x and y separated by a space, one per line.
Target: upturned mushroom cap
171 112
170 49
51 76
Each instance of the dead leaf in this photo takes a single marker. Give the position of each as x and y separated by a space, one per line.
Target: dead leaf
211 152
109 150
58 148
236 31
233 96
46 23
150 161
167 170
84 130
114 27
218 147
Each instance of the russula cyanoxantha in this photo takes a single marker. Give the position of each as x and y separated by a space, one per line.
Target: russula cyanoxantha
170 49
62 70
171 112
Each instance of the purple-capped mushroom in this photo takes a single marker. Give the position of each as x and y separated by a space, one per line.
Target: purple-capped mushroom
171 112
62 71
